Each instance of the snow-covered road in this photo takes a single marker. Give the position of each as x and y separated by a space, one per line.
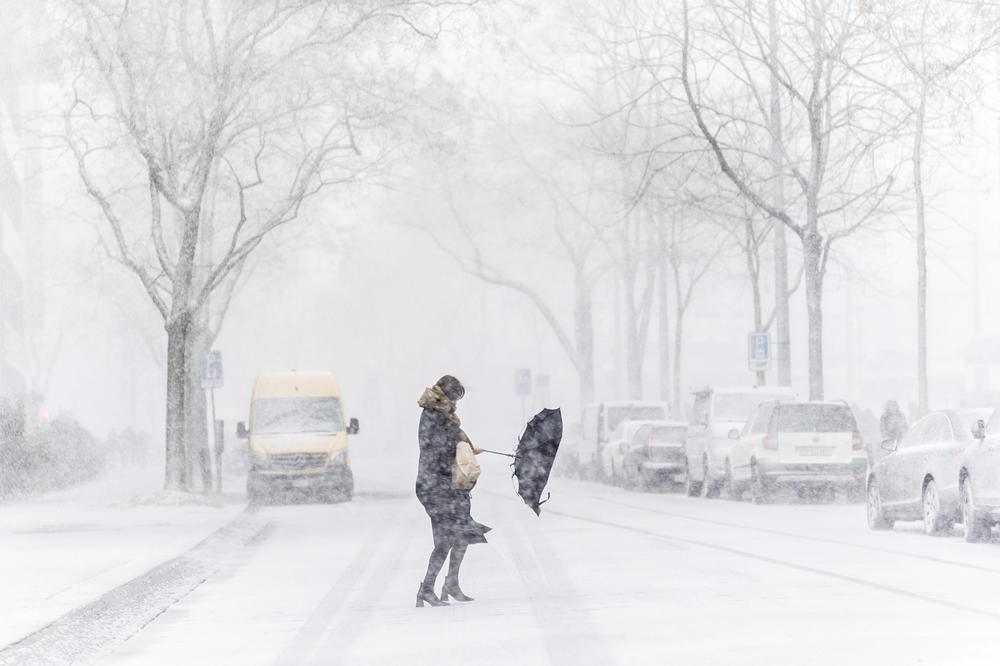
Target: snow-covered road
604 576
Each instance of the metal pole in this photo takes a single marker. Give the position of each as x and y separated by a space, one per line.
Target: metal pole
216 453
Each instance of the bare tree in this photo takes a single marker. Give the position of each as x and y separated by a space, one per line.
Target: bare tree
253 108
833 123
933 46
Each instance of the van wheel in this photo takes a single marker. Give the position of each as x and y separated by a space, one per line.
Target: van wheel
255 491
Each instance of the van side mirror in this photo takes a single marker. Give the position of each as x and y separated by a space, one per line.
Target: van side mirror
979 429
734 434
241 431
353 427
890 445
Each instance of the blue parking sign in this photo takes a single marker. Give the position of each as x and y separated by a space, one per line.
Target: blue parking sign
212 375
759 351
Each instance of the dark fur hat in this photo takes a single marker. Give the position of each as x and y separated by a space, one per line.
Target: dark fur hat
451 387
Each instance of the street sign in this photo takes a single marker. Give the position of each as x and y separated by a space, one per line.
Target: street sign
522 382
759 351
212 375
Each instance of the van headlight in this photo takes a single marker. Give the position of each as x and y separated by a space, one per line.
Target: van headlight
258 459
339 457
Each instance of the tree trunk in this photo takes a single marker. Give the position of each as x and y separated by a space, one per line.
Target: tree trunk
584 320
812 250
664 321
918 191
678 348
758 316
196 416
633 350
175 472
782 333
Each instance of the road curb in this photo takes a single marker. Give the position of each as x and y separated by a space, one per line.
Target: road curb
84 634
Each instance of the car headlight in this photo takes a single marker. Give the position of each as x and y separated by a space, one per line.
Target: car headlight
339 457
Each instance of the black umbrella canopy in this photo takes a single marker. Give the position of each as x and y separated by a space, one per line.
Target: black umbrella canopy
536 451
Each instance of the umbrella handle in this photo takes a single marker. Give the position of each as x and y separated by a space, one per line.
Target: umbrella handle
498 453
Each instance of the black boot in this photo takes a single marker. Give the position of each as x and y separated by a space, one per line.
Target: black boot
451 589
426 593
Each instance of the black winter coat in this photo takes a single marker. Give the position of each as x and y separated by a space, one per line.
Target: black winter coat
449 508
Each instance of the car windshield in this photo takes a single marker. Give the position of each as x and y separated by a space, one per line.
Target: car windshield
813 418
740 406
272 416
636 413
671 435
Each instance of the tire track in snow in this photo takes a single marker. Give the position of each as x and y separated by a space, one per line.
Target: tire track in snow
571 638
306 641
787 564
805 537
334 646
83 635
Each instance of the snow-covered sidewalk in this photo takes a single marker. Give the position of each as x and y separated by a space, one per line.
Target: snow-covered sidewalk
65 549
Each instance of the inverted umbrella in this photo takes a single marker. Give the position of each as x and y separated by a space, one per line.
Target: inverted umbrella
536 451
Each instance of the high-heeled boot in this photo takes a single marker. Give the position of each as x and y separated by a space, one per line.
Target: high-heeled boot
426 594
451 589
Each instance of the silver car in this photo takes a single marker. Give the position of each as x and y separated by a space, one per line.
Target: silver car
979 481
918 477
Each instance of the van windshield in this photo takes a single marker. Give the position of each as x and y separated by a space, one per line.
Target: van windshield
618 414
671 435
273 416
740 406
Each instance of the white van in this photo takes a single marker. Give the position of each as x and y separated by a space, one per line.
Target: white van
716 411
600 420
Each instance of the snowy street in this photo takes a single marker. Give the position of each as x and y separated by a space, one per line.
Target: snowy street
603 576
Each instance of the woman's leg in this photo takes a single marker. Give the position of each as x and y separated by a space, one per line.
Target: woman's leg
455 563
434 565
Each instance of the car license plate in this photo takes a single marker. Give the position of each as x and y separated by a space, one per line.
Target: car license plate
814 450
300 483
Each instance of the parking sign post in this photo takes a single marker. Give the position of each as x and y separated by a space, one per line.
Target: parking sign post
211 379
759 352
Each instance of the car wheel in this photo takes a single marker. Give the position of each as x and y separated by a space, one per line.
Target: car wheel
759 492
731 491
692 488
710 488
876 513
934 522
974 528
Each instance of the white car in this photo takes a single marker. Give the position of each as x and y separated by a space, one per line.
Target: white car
655 455
806 445
979 481
614 451
715 413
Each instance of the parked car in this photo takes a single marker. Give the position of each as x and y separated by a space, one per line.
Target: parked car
979 481
805 445
655 455
715 413
917 479
599 421
613 453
